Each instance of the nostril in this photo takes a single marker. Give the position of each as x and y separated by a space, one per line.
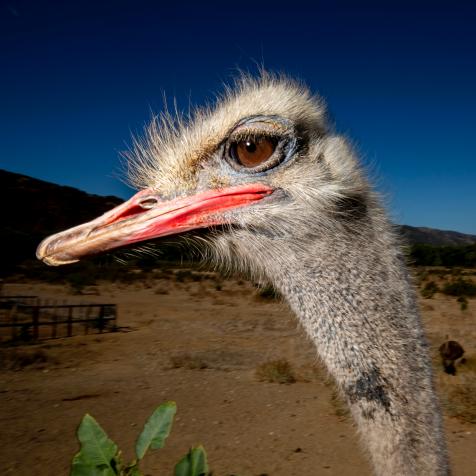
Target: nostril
148 202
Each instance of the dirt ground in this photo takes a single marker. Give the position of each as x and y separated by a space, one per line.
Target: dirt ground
199 344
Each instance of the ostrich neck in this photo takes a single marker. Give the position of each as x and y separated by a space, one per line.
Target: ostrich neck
357 305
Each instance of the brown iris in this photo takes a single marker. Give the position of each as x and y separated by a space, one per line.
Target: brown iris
254 151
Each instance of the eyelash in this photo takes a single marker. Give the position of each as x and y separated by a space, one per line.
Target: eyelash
253 136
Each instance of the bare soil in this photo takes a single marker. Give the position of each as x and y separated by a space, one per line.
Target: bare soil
201 347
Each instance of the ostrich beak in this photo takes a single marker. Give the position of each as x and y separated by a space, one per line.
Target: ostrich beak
144 217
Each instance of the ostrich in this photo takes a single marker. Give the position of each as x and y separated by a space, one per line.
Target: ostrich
450 351
284 198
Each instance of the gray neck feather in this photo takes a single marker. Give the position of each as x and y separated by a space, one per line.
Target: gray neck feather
356 302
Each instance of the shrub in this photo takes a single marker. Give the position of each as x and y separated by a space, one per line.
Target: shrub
161 290
100 455
186 360
340 407
421 276
18 360
463 303
460 287
268 292
429 255
429 290
182 275
79 280
276 371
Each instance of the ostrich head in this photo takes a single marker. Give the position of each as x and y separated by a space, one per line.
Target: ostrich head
262 163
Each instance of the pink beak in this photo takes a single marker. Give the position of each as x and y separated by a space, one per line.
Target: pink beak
144 217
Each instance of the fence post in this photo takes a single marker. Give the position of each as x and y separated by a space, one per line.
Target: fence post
70 322
53 327
86 320
13 320
35 318
101 322
115 317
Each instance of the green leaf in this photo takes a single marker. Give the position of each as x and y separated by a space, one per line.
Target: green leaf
132 470
82 467
135 472
193 464
157 429
97 456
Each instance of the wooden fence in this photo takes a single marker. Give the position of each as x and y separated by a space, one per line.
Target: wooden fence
26 318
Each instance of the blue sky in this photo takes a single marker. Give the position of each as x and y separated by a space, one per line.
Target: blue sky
399 78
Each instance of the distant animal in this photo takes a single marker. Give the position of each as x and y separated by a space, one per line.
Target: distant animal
284 198
450 351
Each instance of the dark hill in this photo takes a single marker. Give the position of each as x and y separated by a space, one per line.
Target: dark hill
33 209
430 236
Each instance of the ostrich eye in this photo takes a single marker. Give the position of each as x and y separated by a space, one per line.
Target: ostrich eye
253 152
259 144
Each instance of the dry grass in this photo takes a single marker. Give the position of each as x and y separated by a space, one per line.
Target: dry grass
458 393
161 290
340 407
459 400
276 371
268 292
214 359
14 359
468 366
186 360
187 275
